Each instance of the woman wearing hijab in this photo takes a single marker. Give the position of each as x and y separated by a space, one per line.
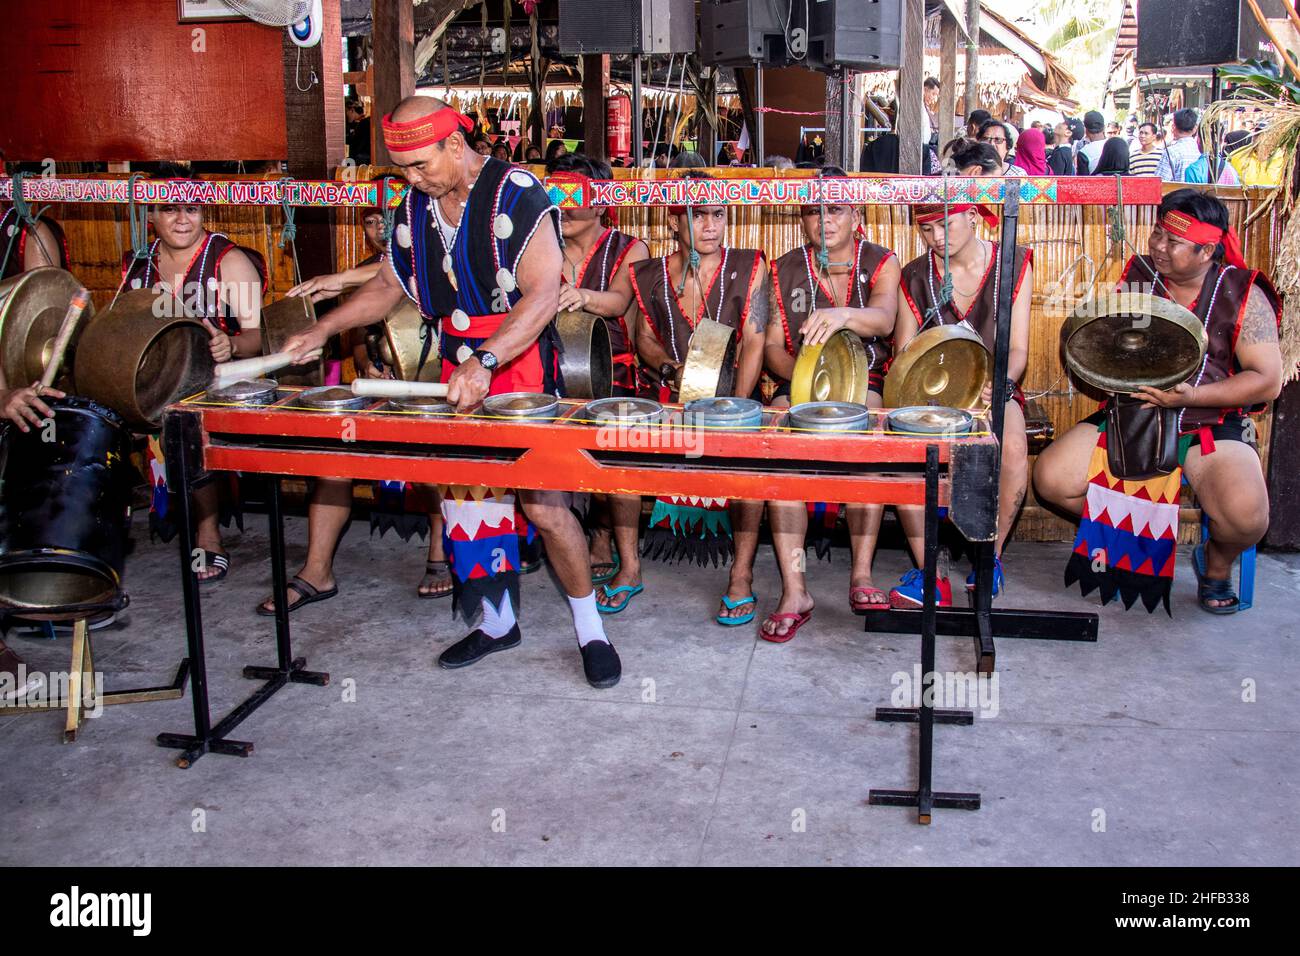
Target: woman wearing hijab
1031 153
1114 158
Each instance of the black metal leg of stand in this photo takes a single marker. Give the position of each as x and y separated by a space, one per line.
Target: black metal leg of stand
923 797
288 668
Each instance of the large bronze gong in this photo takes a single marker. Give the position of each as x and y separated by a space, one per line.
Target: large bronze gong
32 306
281 321
945 365
400 346
1124 340
587 361
710 366
141 355
834 371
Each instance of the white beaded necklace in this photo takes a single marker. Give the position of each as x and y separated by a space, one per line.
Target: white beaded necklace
668 298
1206 325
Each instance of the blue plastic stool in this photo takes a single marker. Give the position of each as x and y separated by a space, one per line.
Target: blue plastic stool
1246 572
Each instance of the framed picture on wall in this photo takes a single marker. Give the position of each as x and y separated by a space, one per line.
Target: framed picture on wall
196 11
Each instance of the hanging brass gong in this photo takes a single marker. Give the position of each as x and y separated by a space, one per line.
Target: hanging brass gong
944 365
1124 340
283 320
400 347
710 366
32 307
587 360
834 371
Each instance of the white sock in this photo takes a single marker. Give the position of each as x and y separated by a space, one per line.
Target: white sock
497 622
586 620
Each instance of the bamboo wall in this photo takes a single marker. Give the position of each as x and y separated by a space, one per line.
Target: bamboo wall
1069 244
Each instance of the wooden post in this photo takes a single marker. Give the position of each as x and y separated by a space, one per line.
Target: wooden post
831 135
911 76
537 66
1284 471
393 42
315 132
595 84
972 56
947 76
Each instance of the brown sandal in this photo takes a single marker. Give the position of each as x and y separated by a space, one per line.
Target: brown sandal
436 570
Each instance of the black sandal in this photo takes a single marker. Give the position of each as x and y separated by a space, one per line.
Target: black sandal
436 569
215 559
1212 589
307 594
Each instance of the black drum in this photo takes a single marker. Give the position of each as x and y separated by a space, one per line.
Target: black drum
65 498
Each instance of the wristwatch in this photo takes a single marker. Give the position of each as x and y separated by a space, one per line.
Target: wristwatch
485 358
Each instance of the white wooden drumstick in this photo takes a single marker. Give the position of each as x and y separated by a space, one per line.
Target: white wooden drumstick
70 319
393 388
256 367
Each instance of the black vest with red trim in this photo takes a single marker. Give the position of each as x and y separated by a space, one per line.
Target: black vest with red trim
1220 306
924 274
800 291
727 299
201 278
597 272
475 277
14 236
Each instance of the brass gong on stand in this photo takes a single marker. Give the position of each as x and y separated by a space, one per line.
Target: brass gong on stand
834 371
32 306
710 366
586 359
401 345
945 365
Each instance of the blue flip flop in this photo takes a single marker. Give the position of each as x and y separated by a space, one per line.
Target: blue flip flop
732 605
631 590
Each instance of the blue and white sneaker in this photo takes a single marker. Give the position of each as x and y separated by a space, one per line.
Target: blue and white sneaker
999 579
909 592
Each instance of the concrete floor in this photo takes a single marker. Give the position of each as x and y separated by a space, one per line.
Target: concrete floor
712 749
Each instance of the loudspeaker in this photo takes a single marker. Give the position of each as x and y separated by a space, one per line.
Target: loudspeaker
627 26
857 34
1177 33
820 35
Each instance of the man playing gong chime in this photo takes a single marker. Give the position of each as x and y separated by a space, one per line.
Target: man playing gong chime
1196 260
597 278
976 279
222 283
703 279
836 280
477 244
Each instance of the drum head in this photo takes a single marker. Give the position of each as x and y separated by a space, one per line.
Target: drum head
944 365
1123 341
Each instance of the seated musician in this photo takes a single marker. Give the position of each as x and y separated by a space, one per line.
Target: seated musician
702 279
26 246
595 280
330 507
476 245
836 280
1195 260
976 281
222 283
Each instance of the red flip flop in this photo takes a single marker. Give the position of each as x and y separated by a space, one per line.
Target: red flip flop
860 605
799 620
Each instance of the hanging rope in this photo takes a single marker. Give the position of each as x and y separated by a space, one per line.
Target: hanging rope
25 217
289 231
693 255
944 295
389 212
138 219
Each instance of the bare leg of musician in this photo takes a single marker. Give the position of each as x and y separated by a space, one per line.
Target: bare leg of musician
566 549
746 516
864 532
789 523
1229 485
625 514
207 531
328 513
1015 471
1061 471
437 572
912 518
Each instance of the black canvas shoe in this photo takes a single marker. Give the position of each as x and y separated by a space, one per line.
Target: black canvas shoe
477 645
601 664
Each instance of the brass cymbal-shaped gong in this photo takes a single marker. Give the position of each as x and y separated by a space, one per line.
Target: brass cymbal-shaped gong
1124 340
401 345
587 362
834 371
710 366
944 365
283 320
32 306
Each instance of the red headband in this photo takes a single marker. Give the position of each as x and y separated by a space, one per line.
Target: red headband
926 213
425 131
1202 233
